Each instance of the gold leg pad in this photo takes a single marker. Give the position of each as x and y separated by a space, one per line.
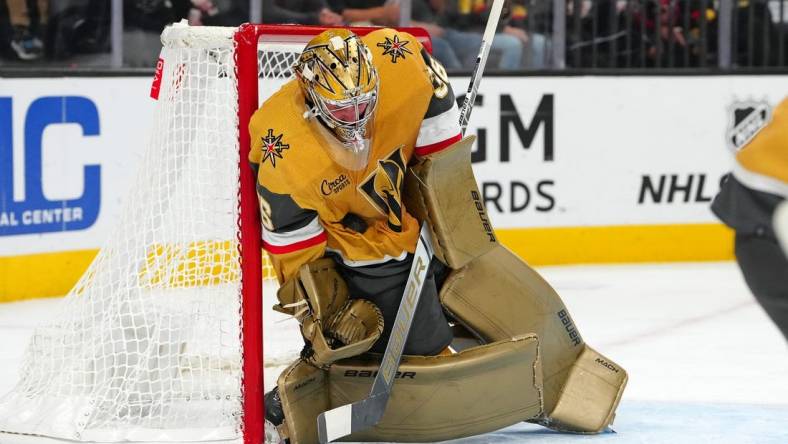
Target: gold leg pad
442 190
434 398
497 296
589 398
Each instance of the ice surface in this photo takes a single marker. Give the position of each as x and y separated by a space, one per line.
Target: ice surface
705 363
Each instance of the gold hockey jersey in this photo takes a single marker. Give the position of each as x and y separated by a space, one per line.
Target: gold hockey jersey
763 163
759 180
310 203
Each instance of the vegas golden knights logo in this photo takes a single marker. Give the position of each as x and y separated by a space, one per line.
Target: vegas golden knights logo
383 188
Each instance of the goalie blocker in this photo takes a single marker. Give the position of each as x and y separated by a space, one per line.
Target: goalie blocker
530 363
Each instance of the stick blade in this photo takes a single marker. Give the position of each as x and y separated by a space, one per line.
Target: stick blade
359 416
335 423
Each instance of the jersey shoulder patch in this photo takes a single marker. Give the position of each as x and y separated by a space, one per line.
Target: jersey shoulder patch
405 85
392 46
284 150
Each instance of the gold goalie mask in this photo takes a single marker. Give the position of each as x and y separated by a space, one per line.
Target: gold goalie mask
340 84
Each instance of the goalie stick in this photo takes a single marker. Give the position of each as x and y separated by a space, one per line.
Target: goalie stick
481 61
361 415
342 421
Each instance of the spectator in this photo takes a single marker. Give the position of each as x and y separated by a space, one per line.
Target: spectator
535 43
387 13
154 15
361 12
304 12
454 48
77 27
24 41
145 19
143 22
464 22
591 33
424 17
670 32
92 30
757 38
200 10
218 12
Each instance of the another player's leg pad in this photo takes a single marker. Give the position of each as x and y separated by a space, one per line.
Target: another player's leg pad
435 398
498 296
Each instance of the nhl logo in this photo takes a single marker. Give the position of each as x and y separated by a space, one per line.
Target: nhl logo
746 120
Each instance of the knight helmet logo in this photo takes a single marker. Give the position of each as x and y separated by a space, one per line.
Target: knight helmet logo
383 188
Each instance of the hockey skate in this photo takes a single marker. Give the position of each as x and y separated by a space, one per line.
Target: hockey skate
274 417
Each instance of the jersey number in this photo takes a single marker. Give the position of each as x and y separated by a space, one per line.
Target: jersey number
265 213
438 77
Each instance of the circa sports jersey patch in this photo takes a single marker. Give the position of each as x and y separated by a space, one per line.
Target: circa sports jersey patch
395 47
328 187
273 147
747 119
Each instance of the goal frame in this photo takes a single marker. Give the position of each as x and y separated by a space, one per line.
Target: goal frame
155 257
247 38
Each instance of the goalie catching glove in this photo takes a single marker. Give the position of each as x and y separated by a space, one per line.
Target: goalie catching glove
334 327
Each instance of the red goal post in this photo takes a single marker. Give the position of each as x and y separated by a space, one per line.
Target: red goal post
249 40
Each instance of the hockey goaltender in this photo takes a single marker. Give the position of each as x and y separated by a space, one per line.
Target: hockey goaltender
355 157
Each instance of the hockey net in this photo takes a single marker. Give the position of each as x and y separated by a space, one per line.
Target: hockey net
161 339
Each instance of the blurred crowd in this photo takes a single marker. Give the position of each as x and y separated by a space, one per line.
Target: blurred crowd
675 33
597 33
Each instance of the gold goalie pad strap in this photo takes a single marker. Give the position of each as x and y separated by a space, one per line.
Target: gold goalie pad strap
434 398
442 190
498 296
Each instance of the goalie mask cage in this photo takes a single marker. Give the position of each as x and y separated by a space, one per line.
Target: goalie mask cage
161 338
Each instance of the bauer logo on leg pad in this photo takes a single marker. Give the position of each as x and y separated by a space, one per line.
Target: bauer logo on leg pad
569 325
374 373
483 215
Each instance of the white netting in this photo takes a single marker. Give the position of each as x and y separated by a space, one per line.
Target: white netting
146 346
275 59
